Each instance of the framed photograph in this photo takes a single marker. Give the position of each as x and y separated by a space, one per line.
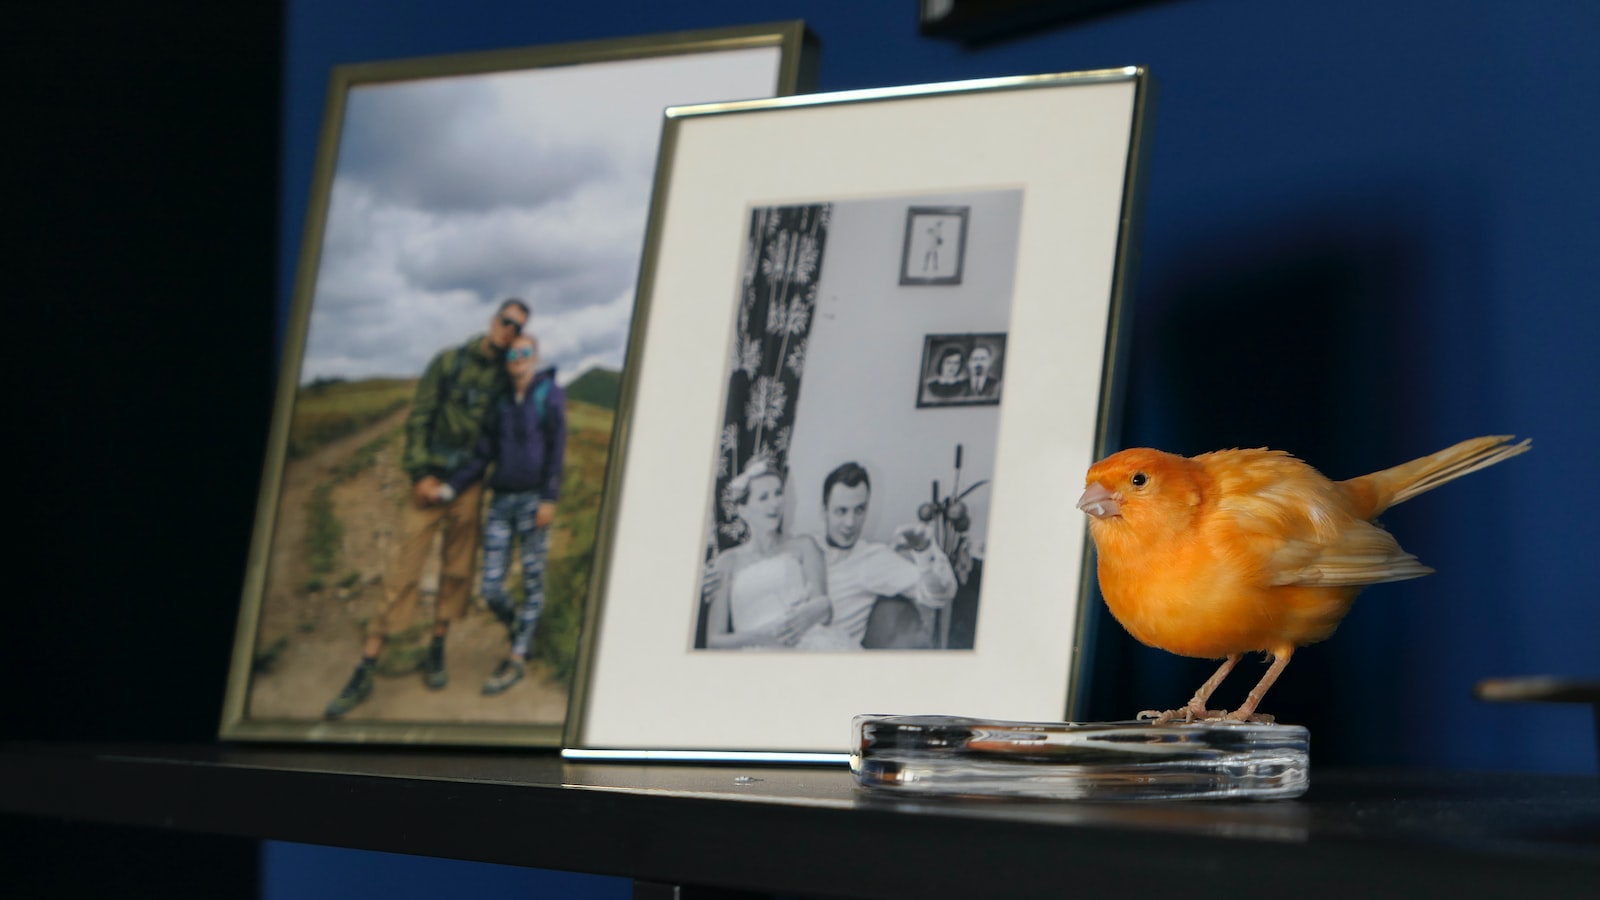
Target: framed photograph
429 509
787 541
961 370
936 243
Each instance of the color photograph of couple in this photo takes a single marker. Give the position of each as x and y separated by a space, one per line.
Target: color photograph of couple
433 528
845 517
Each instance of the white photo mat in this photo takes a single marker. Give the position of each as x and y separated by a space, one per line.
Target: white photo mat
1069 143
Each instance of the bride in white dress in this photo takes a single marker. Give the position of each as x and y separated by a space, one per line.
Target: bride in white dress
771 590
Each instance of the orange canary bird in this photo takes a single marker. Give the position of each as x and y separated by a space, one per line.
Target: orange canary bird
1226 553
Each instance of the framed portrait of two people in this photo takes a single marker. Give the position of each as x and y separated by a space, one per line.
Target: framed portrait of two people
861 380
431 501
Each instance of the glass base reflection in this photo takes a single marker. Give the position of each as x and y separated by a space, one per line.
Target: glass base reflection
952 755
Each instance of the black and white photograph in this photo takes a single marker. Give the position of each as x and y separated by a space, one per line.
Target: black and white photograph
845 519
935 245
789 539
961 370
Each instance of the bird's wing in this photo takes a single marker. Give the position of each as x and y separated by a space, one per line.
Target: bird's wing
1361 554
1299 532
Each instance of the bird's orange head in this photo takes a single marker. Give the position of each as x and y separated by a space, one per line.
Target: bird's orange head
1143 489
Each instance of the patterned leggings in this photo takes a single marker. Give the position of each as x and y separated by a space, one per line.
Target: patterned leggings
511 517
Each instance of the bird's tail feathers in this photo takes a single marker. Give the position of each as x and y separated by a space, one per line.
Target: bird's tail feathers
1419 476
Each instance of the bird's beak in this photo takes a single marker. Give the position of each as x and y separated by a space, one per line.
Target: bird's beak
1099 502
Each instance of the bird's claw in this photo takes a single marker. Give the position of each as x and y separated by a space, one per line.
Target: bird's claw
1184 714
1190 714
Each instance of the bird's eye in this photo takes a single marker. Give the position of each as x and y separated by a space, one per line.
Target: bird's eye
1139 479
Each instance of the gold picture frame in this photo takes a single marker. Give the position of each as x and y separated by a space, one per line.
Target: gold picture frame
443 187
775 250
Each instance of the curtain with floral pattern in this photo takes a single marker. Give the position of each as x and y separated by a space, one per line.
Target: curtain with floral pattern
778 297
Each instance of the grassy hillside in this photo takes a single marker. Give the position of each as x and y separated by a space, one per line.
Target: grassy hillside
596 387
328 410
576 527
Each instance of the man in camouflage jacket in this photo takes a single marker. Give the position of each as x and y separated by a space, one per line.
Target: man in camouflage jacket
456 392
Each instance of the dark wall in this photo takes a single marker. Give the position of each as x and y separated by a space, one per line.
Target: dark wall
141 198
1369 233
146 193
1366 237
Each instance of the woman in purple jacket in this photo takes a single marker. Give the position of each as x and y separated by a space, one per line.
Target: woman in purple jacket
525 437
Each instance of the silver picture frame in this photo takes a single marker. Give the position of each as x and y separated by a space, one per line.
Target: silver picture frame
1058 211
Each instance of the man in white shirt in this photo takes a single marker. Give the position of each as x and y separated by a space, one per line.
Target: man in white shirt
908 582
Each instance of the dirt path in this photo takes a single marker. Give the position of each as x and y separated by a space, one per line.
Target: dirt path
314 637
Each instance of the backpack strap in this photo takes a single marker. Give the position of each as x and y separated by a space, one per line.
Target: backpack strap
541 393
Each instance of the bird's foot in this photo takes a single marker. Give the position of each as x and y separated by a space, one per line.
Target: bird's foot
1182 714
1255 718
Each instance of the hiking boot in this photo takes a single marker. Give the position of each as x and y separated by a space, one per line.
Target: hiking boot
509 672
359 689
433 671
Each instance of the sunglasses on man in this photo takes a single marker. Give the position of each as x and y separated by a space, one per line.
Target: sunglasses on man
513 324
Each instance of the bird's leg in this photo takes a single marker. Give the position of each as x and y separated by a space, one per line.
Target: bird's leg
1247 710
1196 707
1197 703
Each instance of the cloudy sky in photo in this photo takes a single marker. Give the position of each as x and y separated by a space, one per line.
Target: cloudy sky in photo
451 194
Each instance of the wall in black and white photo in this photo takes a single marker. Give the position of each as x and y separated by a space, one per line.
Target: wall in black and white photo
864 363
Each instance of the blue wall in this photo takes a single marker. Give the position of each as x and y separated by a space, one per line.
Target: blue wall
1370 231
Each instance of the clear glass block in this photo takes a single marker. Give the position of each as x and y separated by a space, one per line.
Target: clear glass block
1080 760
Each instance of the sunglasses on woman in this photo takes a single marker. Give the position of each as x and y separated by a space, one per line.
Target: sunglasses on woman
517 353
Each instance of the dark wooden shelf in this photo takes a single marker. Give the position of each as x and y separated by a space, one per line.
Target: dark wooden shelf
811 831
